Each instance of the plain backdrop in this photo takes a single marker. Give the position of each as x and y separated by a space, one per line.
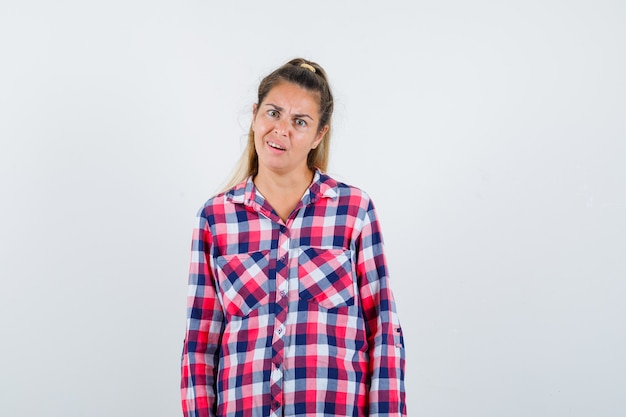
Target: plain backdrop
491 136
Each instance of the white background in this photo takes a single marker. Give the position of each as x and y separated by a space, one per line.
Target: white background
491 136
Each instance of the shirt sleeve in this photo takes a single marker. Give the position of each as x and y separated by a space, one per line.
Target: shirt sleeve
384 334
205 321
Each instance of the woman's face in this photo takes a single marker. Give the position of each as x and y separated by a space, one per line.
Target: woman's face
285 129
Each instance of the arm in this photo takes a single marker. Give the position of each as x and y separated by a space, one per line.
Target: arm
384 334
205 322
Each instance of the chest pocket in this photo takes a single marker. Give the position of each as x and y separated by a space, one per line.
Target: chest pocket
325 277
243 280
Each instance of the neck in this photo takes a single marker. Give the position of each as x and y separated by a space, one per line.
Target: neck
272 182
283 192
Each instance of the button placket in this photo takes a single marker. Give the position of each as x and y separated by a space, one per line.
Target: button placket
281 307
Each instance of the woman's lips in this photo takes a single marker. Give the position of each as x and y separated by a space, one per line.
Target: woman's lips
275 145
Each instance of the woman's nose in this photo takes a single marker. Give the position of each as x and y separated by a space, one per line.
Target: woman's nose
282 126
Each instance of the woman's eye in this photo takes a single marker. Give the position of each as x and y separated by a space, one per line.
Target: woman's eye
300 122
272 113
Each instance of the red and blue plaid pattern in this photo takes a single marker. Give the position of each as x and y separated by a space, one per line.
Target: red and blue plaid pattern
291 319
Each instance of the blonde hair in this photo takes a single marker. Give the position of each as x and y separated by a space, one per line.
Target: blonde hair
297 71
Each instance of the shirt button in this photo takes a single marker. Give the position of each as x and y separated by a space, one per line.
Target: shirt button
280 330
283 293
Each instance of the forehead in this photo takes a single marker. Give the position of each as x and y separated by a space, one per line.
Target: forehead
291 96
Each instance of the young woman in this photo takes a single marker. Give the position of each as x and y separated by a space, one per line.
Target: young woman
290 312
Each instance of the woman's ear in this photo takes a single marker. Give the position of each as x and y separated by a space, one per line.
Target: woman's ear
255 107
320 136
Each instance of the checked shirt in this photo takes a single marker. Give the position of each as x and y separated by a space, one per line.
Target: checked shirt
291 318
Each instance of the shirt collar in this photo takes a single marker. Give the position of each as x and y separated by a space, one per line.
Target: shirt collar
322 186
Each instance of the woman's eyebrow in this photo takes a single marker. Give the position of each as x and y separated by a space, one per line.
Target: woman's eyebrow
302 116
274 106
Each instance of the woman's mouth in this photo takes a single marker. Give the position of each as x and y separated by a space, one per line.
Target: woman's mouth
275 146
